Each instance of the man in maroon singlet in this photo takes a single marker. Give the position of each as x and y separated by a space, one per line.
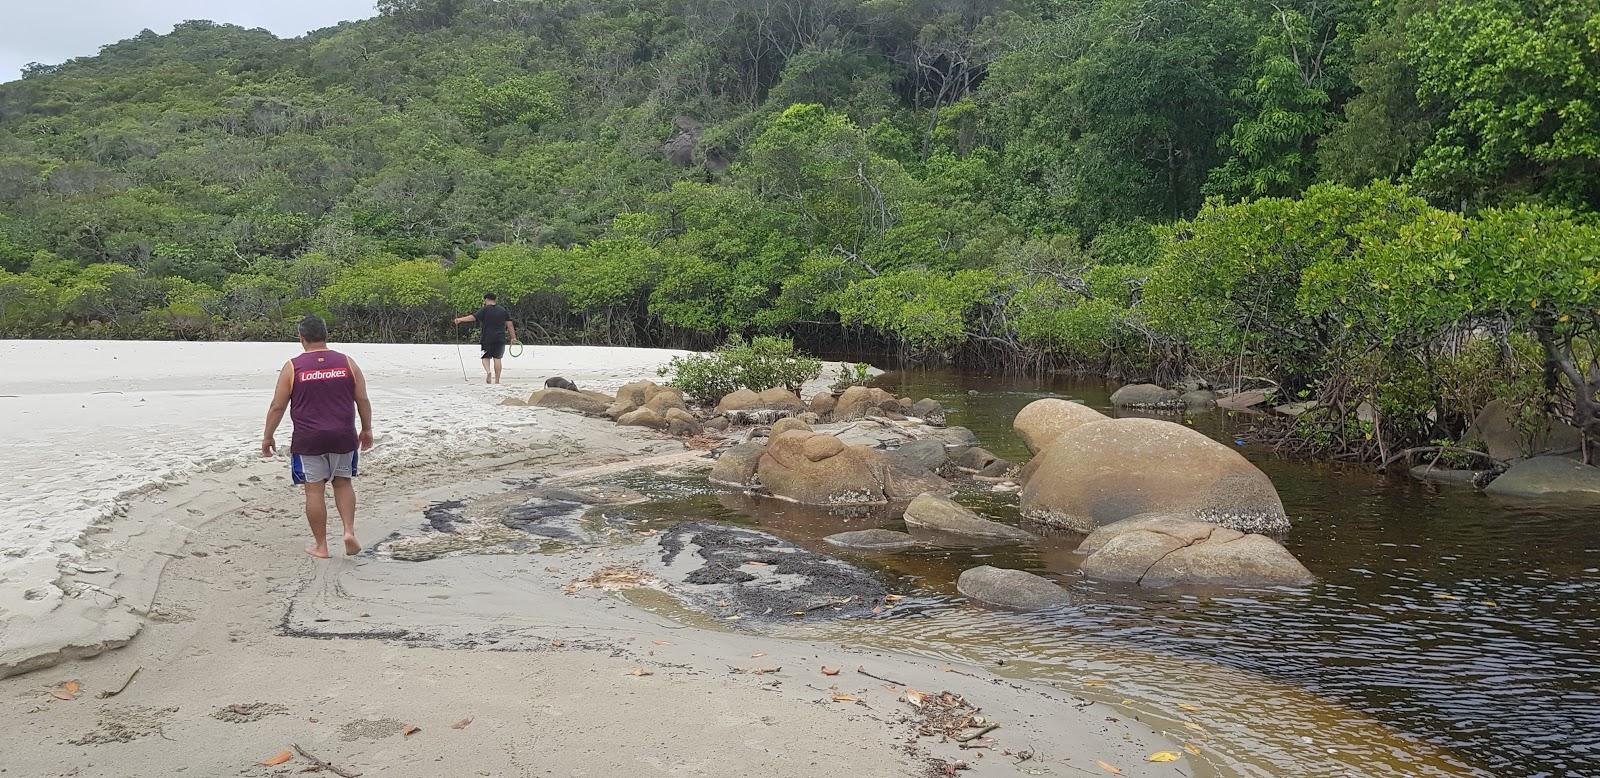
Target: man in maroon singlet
323 391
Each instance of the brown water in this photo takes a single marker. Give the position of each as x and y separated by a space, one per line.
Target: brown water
1449 632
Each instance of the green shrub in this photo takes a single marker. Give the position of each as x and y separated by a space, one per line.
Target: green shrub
851 374
757 364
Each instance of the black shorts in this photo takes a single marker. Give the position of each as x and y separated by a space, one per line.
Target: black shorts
494 350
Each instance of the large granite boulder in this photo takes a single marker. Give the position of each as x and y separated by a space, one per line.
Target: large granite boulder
1106 471
638 394
775 399
1015 589
1145 396
858 402
1553 477
590 403
680 422
929 411
940 514
926 454
667 399
1042 421
737 465
872 540
643 417
819 469
822 404
1166 550
1495 429
786 424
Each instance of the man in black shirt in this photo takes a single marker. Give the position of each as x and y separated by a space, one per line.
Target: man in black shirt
494 331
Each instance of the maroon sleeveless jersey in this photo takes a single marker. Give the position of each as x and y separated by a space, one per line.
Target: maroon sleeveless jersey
323 404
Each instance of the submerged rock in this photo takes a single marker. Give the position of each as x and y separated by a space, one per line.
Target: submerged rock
1557 477
1444 475
588 403
1145 396
784 581
1199 399
1164 550
872 540
1106 471
1014 589
1042 421
940 514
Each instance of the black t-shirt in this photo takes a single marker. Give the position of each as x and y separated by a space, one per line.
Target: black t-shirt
492 321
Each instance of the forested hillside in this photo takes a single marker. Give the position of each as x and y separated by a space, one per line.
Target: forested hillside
1396 195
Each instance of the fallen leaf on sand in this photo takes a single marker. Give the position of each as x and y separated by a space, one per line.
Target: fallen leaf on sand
758 655
66 691
556 644
662 642
1192 748
640 672
1094 682
845 698
1194 726
1490 603
1188 707
754 563
1110 768
283 756
893 597
1443 596
410 729
1163 756
799 613
462 724
915 697
826 670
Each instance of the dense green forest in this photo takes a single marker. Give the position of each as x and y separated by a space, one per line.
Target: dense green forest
1390 201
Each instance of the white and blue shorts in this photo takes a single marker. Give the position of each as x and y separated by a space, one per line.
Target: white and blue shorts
319 468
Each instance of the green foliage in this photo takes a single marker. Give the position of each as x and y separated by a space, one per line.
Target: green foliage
1516 81
851 374
757 364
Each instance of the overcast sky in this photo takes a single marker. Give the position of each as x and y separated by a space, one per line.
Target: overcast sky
53 31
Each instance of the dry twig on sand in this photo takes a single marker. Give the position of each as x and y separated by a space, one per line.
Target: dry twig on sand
324 765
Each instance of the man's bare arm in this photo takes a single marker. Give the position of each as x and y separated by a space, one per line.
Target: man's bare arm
511 331
363 405
280 404
465 319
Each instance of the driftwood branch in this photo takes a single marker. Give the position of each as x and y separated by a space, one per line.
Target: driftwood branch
1441 450
863 671
324 765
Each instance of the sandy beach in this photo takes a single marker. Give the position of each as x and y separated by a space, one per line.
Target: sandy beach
166 536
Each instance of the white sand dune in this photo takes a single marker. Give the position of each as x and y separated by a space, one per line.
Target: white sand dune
86 425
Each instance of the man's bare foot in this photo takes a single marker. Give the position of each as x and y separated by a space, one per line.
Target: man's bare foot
351 545
320 552
488 379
